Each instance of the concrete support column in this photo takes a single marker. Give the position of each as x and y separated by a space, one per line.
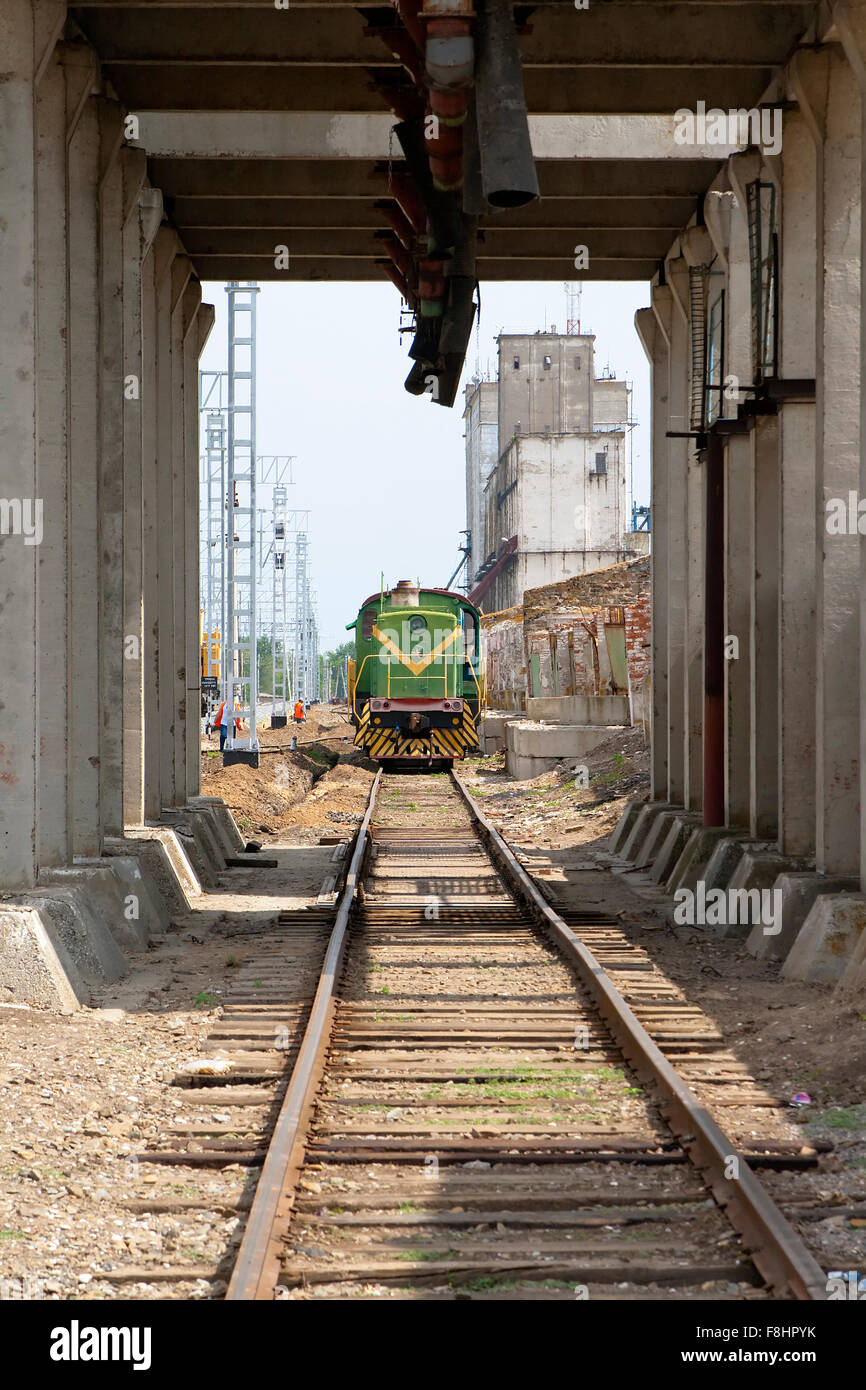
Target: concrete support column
181 310
850 20
153 269
18 449
52 823
797 456
830 95
84 648
649 324
139 227
764 724
200 324
168 293
684 748
726 221
110 495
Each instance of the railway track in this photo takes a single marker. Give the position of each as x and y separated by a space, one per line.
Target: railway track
486 1105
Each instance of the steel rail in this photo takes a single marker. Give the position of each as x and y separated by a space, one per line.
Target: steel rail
773 1245
256 1270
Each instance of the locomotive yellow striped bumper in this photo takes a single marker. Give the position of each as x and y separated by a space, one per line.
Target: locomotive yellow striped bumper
454 741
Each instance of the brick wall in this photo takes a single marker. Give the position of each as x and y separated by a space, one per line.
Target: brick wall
561 640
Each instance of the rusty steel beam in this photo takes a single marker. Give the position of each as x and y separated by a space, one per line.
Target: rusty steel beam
257 1266
774 1246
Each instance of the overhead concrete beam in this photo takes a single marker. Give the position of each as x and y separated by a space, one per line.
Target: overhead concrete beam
253 177
274 134
360 214
669 35
495 243
233 267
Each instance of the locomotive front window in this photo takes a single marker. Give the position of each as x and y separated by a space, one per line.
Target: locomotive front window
468 634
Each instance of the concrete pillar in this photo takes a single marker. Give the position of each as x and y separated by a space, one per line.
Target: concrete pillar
797 457
850 21
682 745
200 325
170 284
139 228
835 115
726 222
764 724
84 634
110 496
52 821
18 449
181 309
153 268
648 323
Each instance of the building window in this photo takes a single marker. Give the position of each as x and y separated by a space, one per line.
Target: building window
577 363
516 362
546 363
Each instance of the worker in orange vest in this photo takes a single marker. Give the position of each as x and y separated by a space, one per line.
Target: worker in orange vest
222 720
299 711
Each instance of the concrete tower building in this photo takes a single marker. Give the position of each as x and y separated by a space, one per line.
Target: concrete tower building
547 499
482 451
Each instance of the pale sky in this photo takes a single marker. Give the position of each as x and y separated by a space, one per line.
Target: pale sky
383 472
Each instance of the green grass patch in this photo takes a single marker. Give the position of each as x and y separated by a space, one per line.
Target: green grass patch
421 1256
854 1117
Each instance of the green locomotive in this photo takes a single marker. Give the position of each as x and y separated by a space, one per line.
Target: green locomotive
416 689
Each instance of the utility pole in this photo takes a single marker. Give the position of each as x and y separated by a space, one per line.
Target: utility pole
240 630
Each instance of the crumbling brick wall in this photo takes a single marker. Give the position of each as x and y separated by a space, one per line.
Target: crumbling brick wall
560 641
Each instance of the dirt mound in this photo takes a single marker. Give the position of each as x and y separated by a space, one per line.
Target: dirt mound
322 785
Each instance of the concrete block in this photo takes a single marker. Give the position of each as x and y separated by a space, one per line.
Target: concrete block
55 945
203 818
580 709
191 834
829 938
136 875
655 839
102 890
532 748
723 861
491 731
175 873
696 855
853 979
675 841
31 968
625 825
757 869
641 828
230 836
798 893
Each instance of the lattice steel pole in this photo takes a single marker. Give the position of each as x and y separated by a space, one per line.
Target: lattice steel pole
278 612
240 633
